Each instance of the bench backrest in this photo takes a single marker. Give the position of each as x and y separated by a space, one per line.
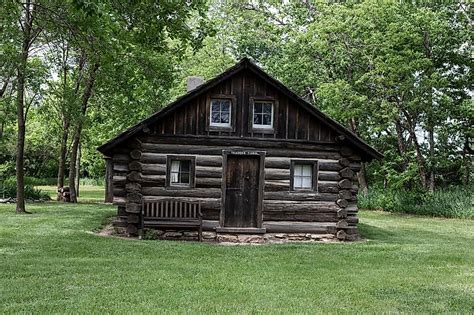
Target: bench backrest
171 209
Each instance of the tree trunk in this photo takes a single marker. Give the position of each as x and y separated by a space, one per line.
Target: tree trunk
431 178
78 168
401 143
419 155
20 102
77 136
72 164
62 156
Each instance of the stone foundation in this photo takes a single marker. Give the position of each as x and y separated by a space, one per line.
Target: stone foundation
213 237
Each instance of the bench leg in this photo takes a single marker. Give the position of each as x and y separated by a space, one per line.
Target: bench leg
200 233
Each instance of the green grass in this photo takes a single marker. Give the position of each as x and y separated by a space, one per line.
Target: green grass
52 263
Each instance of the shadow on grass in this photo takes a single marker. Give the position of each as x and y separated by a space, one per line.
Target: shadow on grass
371 232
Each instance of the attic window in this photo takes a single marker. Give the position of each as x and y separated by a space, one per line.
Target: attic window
221 112
263 115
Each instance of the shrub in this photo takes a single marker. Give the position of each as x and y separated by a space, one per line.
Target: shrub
8 190
449 203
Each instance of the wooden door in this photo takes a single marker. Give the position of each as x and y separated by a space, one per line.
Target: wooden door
241 191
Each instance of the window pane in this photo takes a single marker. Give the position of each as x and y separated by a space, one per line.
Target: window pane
216 117
215 106
225 105
224 117
267 108
257 108
174 166
303 176
174 177
267 119
185 178
257 119
307 170
297 182
298 170
184 166
306 182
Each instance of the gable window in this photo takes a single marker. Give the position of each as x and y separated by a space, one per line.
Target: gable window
262 115
180 171
221 113
304 175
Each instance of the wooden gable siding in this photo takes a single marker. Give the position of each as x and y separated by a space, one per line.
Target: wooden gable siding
291 121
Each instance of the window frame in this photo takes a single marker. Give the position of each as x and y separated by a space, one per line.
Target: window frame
220 125
192 171
261 129
314 180
232 112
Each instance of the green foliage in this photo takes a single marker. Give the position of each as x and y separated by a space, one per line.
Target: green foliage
8 190
448 203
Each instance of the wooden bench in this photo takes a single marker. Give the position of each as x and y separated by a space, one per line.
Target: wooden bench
172 213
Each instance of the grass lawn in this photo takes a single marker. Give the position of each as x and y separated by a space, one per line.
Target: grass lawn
51 262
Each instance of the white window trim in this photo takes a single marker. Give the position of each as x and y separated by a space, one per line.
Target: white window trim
213 124
260 126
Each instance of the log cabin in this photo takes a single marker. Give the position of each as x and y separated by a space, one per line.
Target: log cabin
254 156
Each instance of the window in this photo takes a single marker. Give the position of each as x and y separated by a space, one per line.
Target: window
220 113
304 175
180 171
263 115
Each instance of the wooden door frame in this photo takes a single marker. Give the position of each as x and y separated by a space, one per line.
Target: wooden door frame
261 181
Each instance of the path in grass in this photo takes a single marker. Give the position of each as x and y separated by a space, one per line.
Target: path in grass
51 262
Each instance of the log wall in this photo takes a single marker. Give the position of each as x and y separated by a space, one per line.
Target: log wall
140 173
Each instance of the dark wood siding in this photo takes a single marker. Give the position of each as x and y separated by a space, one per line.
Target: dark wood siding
290 120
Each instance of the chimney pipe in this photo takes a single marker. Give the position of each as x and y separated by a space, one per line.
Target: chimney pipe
194 82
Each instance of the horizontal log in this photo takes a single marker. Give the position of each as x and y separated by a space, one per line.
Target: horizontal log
303 217
120 158
299 206
217 150
201 160
277 174
341 235
249 143
195 192
285 162
342 213
134 176
355 166
328 176
120 167
153 169
299 227
277 185
119 191
296 196
119 180
119 201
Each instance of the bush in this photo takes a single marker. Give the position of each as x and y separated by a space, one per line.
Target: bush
449 203
8 190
